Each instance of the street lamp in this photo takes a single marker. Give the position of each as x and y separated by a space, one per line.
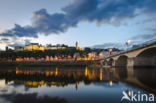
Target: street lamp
127 42
110 51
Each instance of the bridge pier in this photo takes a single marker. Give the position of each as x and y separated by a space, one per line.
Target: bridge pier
101 62
113 64
130 71
130 62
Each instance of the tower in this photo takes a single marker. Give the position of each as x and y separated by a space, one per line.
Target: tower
6 48
76 46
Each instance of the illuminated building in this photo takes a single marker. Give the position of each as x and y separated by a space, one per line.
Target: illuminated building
92 55
76 56
55 48
77 46
32 46
42 48
37 46
107 53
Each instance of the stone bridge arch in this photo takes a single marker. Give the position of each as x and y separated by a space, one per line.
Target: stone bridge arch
111 62
142 56
134 53
121 61
104 62
146 57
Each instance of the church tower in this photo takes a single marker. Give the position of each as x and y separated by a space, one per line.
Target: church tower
76 46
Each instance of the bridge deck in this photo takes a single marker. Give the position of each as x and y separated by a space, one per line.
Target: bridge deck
146 44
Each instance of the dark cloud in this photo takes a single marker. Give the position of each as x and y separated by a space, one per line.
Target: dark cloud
107 10
19 31
46 23
100 11
4 39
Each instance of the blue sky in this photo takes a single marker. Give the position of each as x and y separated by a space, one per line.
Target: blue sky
92 23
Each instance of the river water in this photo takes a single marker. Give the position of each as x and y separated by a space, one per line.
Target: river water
76 84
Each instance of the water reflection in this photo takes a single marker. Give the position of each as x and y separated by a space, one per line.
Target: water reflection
146 76
35 77
58 84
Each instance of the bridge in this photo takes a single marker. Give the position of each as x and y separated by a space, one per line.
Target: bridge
143 55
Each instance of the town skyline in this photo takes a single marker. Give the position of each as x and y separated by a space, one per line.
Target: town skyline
58 22
77 51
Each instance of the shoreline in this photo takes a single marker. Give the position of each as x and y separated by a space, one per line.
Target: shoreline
48 63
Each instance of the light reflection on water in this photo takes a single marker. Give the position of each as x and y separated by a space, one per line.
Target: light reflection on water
72 84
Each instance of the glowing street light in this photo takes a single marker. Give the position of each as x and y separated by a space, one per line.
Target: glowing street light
110 51
127 42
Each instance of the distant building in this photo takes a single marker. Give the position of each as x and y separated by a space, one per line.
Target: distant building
31 47
34 46
18 48
107 53
42 48
8 49
76 56
55 48
92 55
103 54
77 46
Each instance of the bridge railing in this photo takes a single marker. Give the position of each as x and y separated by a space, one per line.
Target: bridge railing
153 41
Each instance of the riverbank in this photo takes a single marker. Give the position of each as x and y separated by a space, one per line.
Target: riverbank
49 63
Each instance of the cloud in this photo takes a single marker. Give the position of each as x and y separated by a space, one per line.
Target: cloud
135 40
144 37
46 23
15 41
20 31
20 43
99 11
15 44
4 39
109 45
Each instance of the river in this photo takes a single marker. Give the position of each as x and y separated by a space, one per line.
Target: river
75 84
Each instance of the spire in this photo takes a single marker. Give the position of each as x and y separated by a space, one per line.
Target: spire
76 46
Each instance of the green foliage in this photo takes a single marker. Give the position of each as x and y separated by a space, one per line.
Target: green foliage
39 54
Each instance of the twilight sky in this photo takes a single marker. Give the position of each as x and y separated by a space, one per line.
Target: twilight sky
93 23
